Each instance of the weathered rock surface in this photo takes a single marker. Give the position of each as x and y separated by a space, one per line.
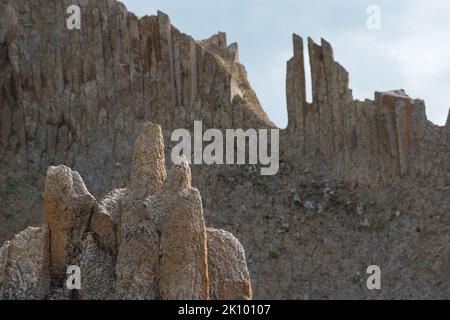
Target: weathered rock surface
228 277
79 97
24 266
376 141
360 182
68 209
150 243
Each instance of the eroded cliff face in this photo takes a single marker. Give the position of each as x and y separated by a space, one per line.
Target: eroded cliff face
360 182
147 241
78 98
376 141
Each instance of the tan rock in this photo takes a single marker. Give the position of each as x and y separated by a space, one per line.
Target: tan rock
24 266
138 262
138 251
97 271
228 274
104 221
68 210
184 265
145 242
148 171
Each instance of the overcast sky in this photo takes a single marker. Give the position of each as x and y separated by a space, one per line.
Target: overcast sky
411 51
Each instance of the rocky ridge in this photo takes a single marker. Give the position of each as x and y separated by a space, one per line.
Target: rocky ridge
360 182
379 140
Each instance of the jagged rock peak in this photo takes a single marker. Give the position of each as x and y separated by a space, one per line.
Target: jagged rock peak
218 44
376 141
148 170
401 93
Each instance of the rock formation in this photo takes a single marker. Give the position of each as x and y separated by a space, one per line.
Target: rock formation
380 141
79 97
360 182
148 241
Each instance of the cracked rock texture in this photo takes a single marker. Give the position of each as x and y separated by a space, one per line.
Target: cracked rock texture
360 182
153 244
24 265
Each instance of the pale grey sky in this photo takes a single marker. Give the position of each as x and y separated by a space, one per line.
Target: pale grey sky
411 51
